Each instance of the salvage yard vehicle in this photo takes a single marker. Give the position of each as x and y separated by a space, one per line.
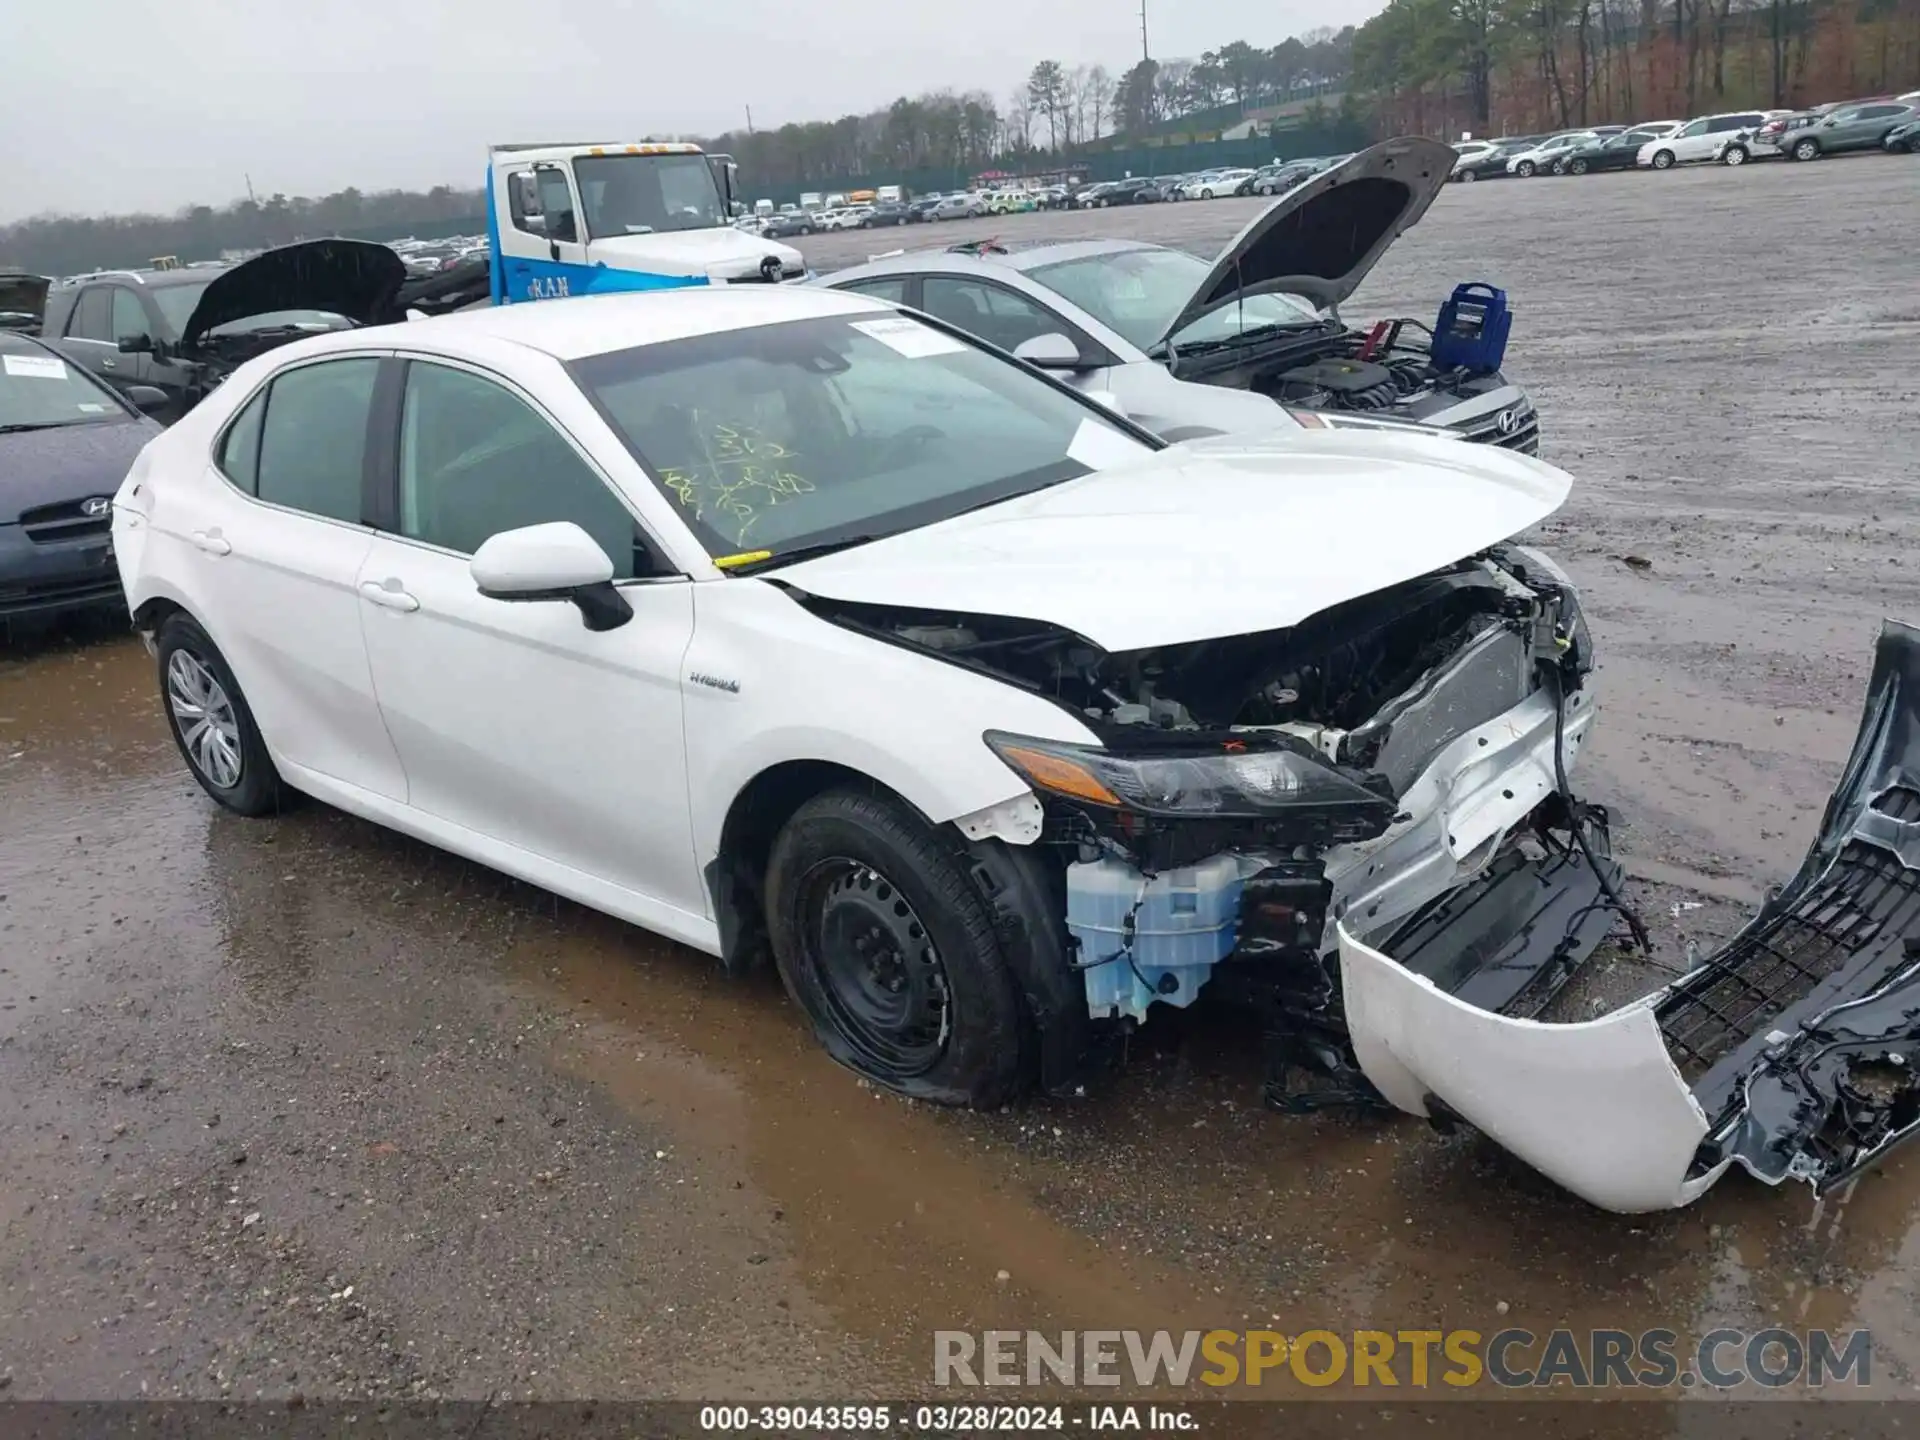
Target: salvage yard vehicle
182 330
66 442
1492 165
1614 152
1191 347
1699 139
1903 139
1851 127
1541 157
590 219
780 621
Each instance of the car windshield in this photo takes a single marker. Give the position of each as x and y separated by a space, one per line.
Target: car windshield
1139 292
779 438
39 390
644 194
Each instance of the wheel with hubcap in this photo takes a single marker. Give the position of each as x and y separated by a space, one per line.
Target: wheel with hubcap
1577 166
1524 169
1806 150
1663 159
1468 176
1734 155
883 939
211 723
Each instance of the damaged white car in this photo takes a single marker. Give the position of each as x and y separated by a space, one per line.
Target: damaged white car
776 620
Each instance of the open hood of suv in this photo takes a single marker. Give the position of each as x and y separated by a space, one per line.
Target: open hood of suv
22 294
1224 536
354 278
1321 238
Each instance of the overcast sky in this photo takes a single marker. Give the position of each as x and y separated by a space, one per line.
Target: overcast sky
120 105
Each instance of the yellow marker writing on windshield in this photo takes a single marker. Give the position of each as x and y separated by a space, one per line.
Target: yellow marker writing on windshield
745 557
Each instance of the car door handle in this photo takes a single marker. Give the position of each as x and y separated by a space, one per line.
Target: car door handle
212 542
388 599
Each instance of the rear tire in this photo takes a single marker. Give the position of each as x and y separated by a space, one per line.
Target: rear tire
1663 159
211 723
1734 155
1524 169
882 938
1578 167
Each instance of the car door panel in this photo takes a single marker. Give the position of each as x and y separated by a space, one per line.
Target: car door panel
282 579
514 720
511 718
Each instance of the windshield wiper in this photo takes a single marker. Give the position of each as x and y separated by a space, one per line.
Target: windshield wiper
1247 336
799 553
19 425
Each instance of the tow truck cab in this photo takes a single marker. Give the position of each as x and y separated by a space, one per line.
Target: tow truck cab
591 219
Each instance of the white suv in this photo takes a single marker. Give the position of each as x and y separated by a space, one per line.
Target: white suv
1697 140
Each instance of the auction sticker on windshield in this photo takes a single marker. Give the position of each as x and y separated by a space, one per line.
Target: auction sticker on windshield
909 337
34 367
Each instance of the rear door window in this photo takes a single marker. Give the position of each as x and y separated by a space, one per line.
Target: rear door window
92 315
313 443
239 457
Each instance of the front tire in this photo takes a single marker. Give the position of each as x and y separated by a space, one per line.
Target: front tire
211 723
882 938
1663 159
1524 169
1578 167
1468 176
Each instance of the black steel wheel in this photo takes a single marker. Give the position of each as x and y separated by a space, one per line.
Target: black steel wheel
882 937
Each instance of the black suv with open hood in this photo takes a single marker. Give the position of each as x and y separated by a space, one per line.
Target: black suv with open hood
184 330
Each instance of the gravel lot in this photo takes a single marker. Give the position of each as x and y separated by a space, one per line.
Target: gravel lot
302 1106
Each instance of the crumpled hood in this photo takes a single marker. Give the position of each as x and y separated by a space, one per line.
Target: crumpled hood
1213 537
67 462
354 278
721 252
1320 238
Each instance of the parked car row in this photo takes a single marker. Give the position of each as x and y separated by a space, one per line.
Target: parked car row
1734 137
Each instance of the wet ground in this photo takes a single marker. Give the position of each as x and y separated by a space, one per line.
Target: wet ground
302 1106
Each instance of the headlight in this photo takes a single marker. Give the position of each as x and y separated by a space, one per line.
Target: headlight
1217 784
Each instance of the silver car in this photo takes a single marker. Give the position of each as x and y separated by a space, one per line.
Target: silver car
1188 347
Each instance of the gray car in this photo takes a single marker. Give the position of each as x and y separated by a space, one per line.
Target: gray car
1250 341
1851 127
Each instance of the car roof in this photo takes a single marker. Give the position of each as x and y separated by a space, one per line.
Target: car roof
596 324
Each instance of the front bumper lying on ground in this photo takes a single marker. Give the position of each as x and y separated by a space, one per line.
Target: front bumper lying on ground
1790 1051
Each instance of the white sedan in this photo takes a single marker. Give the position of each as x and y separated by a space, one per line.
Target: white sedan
779 620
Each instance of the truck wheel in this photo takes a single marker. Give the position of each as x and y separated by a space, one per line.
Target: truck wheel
1663 159
882 938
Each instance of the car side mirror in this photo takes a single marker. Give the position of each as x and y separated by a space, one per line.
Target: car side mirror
147 399
136 344
556 561
1052 351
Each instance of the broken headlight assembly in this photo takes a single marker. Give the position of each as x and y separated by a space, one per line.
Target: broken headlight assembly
1230 780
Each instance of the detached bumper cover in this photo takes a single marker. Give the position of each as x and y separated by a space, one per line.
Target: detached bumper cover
1791 1051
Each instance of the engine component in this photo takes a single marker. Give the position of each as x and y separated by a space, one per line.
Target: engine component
1346 384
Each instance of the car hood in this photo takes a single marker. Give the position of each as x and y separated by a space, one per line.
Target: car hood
68 462
1320 238
23 294
354 278
1222 536
721 253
